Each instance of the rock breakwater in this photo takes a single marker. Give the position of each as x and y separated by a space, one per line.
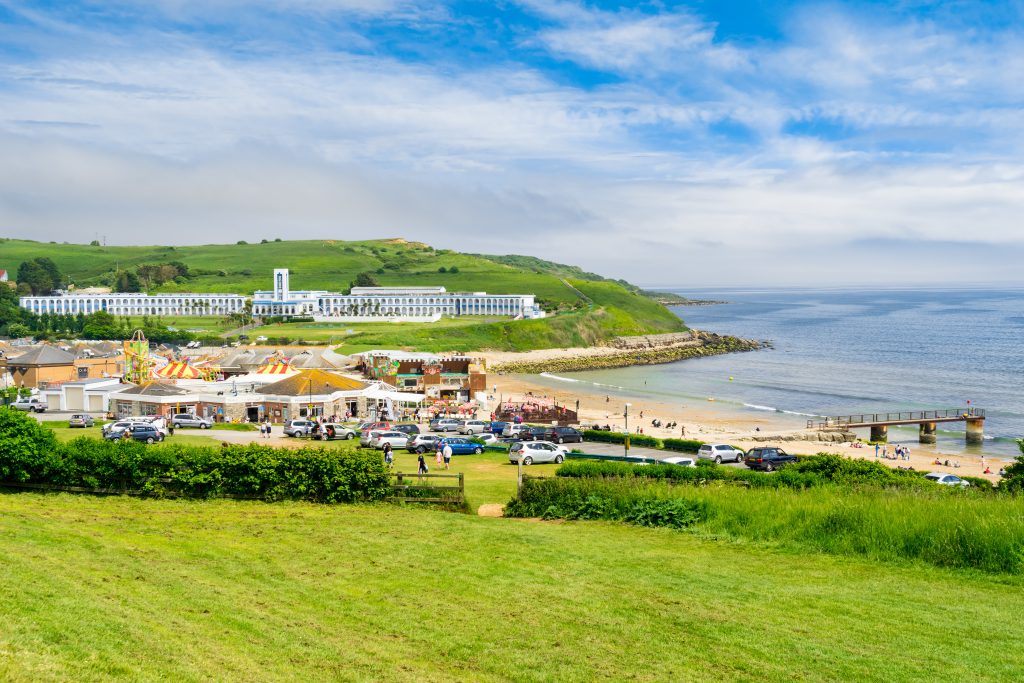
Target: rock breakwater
650 352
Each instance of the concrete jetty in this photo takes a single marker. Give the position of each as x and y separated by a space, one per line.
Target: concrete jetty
927 420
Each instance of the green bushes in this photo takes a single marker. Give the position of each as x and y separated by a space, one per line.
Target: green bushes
29 454
937 525
619 437
682 445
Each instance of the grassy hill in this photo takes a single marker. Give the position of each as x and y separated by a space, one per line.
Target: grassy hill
105 588
589 309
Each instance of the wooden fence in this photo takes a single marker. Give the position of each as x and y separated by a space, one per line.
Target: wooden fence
416 488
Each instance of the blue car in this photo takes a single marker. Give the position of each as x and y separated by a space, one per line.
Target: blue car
461 446
497 428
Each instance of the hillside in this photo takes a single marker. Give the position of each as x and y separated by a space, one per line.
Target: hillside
588 309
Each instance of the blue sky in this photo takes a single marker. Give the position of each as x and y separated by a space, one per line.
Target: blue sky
686 143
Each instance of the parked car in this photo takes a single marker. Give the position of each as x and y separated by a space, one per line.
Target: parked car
720 452
138 431
680 460
473 427
118 426
332 430
767 458
533 433
562 435
513 430
261 338
409 429
370 426
298 428
422 443
32 404
946 479
191 420
486 438
157 421
535 451
366 437
497 427
396 439
445 424
461 445
81 420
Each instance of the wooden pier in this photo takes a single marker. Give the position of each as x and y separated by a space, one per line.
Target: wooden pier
879 423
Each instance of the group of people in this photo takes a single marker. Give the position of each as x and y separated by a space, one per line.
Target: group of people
443 455
900 452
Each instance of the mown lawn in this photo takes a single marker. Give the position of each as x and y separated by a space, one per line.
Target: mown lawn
115 588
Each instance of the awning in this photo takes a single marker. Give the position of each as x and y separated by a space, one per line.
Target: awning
396 396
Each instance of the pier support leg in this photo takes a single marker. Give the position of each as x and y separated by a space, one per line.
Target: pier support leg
880 433
976 431
927 432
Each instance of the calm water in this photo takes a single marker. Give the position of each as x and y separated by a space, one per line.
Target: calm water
838 352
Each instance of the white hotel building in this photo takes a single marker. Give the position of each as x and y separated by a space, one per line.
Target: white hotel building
420 304
136 304
391 303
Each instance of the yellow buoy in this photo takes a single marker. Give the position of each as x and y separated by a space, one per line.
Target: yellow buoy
710 398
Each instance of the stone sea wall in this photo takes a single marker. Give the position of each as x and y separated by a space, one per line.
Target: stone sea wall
695 345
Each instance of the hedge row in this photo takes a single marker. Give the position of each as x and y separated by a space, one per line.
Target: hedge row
808 472
680 445
30 454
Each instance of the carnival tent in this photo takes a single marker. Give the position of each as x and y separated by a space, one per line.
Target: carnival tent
177 370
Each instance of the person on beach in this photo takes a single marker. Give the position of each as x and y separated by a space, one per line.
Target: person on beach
682 431
447 455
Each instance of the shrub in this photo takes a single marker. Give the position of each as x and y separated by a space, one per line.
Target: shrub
682 445
29 454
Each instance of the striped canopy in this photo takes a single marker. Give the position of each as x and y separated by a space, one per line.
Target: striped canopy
177 370
274 367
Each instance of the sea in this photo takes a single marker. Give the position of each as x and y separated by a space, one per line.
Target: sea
837 352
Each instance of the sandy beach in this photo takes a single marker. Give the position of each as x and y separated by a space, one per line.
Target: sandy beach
711 422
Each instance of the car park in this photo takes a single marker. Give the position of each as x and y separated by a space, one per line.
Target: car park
298 428
81 420
409 429
461 445
422 443
138 431
720 452
396 439
31 404
946 479
768 458
190 420
329 431
562 435
535 451
680 460
470 427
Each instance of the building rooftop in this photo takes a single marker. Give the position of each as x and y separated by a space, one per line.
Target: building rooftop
155 388
43 355
317 382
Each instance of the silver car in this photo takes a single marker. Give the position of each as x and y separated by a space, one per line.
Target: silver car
470 427
720 452
535 451
366 438
190 420
332 430
396 439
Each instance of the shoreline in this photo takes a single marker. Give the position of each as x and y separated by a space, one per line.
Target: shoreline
713 423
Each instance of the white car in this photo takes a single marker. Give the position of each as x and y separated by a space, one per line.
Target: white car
366 438
487 438
330 431
32 404
681 461
396 439
116 427
720 452
261 338
946 479
473 427
536 451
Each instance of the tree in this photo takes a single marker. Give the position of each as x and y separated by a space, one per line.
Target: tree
1014 479
94 243
15 330
40 274
366 280
442 269
127 281
241 242
453 269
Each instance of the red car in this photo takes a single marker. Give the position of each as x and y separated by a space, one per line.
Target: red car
369 426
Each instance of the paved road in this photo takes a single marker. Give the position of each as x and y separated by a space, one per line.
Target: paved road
601 448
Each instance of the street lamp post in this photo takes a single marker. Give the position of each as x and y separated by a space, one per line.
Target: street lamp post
625 442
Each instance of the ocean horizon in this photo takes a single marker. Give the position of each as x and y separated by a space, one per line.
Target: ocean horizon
839 351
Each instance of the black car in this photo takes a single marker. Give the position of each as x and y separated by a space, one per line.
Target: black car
768 458
562 435
139 432
409 429
532 434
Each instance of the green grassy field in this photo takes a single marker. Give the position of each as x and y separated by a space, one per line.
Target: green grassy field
585 310
114 588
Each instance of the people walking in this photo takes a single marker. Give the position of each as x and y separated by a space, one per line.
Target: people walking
437 454
447 454
422 464
389 457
